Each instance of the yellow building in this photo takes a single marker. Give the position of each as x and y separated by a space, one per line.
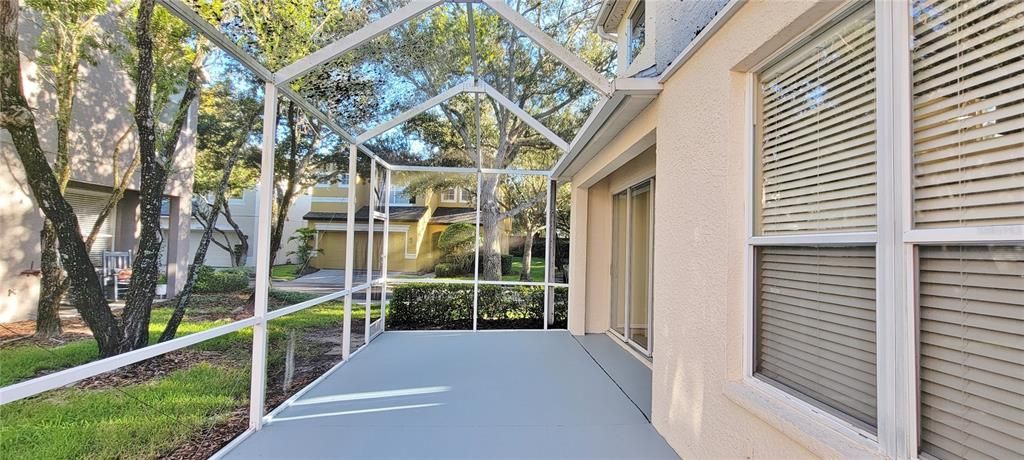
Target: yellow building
415 225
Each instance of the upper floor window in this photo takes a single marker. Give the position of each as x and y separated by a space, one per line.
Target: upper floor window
399 197
335 180
637 30
450 195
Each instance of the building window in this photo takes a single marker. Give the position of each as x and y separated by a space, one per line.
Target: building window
637 30
88 206
816 326
936 310
968 107
450 196
967 184
398 197
814 167
333 180
971 340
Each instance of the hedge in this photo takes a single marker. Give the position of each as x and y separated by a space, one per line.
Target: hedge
227 280
450 306
452 267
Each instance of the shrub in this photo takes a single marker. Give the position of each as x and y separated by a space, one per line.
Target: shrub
431 306
457 244
228 280
451 267
443 270
510 307
450 306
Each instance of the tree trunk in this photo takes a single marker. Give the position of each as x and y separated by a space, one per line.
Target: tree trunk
17 118
277 232
239 253
490 220
51 284
204 244
527 257
145 269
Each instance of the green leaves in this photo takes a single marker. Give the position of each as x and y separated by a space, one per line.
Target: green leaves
224 113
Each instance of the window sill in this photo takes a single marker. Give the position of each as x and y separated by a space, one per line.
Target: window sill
811 427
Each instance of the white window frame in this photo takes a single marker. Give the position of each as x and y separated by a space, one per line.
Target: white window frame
456 195
397 191
341 183
630 26
896 242
851 437
329 199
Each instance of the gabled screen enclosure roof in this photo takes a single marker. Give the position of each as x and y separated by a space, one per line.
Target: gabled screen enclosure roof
311 80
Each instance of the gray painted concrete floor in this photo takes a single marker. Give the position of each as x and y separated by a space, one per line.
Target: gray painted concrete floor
466 395
632 376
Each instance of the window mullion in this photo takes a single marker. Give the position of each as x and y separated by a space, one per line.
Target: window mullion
895 315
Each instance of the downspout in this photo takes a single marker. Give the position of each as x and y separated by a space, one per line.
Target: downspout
602 16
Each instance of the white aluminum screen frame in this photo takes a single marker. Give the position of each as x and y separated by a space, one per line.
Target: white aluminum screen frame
275 86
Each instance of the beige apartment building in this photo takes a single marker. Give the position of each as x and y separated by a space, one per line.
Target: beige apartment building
94 139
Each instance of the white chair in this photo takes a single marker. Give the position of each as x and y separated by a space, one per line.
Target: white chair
113 263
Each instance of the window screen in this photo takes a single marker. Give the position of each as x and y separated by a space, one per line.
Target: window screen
968 87
971 344
816 326
817 133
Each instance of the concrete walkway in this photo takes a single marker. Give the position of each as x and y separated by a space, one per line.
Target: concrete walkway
323 281
462 395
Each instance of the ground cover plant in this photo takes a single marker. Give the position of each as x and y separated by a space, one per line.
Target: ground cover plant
185 404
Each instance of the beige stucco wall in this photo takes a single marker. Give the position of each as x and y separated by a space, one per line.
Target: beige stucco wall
699 290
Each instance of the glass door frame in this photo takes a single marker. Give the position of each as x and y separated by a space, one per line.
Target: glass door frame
646 350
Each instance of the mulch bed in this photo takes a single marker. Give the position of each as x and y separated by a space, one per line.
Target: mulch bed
153 368
21 333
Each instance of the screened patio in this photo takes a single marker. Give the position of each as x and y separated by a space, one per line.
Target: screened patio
456 392
495 394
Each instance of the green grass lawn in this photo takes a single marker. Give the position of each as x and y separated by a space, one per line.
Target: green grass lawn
22 362
19 363
139 421
536 270
286 272
144 420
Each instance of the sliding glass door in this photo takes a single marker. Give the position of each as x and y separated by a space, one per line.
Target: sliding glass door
632 264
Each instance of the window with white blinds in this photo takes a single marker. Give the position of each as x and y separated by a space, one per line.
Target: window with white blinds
87 207
816 122
816 326
971 349
968 106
